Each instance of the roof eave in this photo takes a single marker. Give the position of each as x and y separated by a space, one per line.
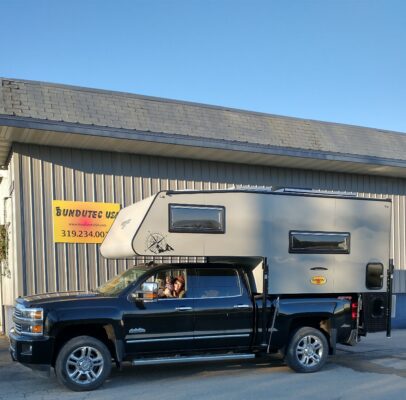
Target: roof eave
373 165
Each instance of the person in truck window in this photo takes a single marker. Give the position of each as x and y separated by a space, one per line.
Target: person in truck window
169 281
179 287
161 287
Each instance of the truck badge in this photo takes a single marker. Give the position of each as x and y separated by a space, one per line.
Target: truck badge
318 280
156 243
137 330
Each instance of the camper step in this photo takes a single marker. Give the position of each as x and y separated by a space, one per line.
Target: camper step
191 359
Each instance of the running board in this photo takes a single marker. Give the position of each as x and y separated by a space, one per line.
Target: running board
191 359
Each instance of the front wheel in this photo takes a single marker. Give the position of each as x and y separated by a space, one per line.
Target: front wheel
307 350
83 363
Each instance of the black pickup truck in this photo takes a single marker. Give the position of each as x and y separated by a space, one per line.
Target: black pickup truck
135 318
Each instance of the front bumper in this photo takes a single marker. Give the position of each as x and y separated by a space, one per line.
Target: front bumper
31 351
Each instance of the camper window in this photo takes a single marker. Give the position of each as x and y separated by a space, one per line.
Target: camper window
196 219
319 242
374 276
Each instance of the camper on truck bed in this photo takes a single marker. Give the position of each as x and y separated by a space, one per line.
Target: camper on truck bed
284 271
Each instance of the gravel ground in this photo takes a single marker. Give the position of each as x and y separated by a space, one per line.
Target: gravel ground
375 369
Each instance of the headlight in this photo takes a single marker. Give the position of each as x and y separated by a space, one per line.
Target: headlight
27 329
32 313
28 321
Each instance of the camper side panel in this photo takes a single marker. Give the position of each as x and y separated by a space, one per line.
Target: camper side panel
293 272
364 224
370 242
341 236
244 233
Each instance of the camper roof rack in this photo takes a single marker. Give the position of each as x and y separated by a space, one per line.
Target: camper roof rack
314 191
252 188
274 189
282 189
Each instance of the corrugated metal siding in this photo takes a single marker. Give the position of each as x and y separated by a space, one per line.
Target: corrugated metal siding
48 173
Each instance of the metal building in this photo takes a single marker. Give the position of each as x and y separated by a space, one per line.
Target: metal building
67 143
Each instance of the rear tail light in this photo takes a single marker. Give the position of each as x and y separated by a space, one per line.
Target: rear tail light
354 310
354 306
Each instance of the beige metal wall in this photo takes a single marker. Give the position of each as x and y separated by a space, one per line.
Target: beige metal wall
42 174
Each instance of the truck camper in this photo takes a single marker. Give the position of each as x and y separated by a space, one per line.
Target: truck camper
283 271
302 236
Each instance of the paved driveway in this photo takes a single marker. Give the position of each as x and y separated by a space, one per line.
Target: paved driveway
375 369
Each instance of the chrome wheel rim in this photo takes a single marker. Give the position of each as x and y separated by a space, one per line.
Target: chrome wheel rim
309 350
84 365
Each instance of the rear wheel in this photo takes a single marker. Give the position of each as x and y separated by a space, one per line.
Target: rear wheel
83 363
307 350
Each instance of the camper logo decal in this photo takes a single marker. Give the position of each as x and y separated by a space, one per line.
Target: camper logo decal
125 223
157 244
318 280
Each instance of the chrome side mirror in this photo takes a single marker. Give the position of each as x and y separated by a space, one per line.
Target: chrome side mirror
148 292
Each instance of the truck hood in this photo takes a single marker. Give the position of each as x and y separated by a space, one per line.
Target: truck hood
48 298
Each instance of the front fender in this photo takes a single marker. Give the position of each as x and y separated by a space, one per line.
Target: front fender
59 320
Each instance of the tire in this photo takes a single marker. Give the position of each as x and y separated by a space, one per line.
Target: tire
307 350
83 363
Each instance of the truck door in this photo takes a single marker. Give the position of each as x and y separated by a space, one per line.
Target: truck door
223 309
164 325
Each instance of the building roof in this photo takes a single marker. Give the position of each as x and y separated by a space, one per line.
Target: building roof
53 114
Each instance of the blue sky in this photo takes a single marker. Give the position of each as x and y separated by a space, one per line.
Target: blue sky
332 60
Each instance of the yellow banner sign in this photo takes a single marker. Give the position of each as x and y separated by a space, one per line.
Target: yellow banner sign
82 222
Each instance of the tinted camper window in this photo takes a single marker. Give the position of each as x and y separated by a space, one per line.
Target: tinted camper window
196 219
374 276
319 242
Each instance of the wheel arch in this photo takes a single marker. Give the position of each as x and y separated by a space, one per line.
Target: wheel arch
103 332
324 323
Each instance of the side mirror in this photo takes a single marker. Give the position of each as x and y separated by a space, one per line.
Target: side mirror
148 292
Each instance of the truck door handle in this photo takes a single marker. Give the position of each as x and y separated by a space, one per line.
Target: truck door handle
241 306
183 308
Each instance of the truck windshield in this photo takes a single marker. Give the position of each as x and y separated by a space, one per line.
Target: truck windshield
120 282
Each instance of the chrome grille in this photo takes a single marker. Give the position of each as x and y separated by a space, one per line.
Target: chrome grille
18 328
17 313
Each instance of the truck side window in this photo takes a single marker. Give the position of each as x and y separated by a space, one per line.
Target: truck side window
216 282
168 283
